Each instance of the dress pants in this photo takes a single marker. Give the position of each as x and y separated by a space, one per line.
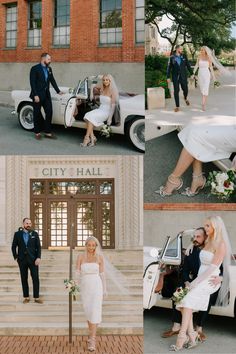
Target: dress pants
39 122
184 85
24 265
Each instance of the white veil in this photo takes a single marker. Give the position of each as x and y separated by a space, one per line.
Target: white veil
113 87
220 231
215 61
119 280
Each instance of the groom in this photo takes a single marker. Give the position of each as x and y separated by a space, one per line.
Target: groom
189 273
26 250
177 66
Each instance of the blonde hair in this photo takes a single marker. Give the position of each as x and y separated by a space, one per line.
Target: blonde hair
216 223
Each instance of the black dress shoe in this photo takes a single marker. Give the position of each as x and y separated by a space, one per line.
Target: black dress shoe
50 136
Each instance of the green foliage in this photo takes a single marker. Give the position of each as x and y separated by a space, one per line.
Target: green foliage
155 72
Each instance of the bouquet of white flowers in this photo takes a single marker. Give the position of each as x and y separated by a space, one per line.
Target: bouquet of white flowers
72 287
106 131
222 184
179 294
216 84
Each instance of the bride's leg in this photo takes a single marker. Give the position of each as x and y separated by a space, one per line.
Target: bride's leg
204 99
193 335
86 140
186 319
183 163
198 179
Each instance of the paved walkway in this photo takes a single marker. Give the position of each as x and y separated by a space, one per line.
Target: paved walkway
60 345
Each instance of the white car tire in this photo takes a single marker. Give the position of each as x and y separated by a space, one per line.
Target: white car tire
25 116
135 132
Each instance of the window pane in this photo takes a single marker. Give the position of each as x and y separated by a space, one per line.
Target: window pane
11 25
61 34
110 21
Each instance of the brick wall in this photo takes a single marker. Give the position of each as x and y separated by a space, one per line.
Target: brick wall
84 36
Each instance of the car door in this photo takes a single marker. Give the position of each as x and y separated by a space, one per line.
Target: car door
150 280
82 93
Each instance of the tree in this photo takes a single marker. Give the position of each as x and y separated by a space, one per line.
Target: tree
194 22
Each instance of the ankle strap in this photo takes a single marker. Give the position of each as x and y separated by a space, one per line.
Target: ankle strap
173 182
198 176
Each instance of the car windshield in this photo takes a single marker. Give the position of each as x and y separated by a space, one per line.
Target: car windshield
82 88
172 249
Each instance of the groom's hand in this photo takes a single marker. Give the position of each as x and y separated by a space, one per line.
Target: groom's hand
215 280
37 262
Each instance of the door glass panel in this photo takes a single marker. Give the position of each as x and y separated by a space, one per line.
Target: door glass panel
106 188
85 221
106 224
62 188
38 219
58 223
38 188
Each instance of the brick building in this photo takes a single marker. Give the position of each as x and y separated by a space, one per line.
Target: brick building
72 31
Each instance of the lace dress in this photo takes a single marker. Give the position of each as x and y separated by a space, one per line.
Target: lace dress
198 298
98 116
91 292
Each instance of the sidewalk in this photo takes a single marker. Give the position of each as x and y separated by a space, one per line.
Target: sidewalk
60 345
221 102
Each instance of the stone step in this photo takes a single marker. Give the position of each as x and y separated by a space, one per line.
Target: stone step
53 306
57 288
62 317
22 329
15 297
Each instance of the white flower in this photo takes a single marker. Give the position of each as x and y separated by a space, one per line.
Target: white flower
221 177
220 189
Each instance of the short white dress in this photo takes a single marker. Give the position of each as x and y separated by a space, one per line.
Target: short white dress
204 76
98 116
211 139
91 292
198 298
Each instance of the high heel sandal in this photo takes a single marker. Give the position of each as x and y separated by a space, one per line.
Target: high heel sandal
188 191
93 141
193 343
175 348
179 185
86 141
92 344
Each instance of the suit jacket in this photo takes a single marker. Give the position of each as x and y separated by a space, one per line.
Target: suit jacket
19 249
191 265
39 85
178 70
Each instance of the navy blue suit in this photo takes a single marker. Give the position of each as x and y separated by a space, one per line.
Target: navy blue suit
179 75
40 87
26 256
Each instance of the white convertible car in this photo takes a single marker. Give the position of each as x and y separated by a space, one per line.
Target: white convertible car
171 255
131 110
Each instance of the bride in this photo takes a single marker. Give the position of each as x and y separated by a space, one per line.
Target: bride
217 250
204 65
90 267
108 101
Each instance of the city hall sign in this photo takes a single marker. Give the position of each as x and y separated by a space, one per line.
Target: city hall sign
72 172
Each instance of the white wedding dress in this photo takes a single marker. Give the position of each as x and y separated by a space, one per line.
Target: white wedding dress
91 292
98 116
211 139
204 76
198 298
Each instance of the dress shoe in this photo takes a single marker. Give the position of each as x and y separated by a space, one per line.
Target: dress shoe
187 102
50 136
202 336
38 301
169 333
176 109
26 300
38 136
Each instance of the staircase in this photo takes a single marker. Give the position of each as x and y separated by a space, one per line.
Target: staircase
122 314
